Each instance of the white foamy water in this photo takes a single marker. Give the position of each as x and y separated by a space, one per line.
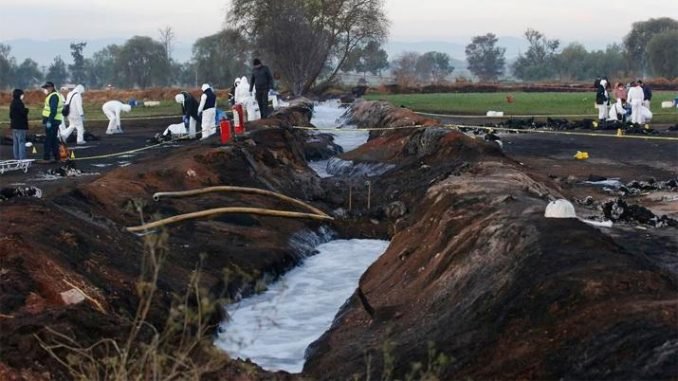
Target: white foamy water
274 328
328 115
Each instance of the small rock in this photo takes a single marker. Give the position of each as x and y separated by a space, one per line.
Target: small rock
72 296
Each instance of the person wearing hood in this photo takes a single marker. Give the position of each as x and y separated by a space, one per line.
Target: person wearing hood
262 80
112 110
18 116
231 96
208 111
75 115
189 109
602 100
647 93
635 99
51 119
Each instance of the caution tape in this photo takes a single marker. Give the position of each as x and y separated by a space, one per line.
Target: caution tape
116 154
449 126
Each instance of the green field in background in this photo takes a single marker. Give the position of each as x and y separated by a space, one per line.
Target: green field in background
552 104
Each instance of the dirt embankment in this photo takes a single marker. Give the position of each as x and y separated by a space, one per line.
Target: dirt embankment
77 239
477 271
533 87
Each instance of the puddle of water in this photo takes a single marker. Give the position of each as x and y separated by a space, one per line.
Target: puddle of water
275 327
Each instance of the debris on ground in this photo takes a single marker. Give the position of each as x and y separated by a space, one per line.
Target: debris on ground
66 170
619 210
22 191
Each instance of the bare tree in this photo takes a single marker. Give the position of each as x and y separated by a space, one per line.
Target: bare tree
404 69
167 38
308 40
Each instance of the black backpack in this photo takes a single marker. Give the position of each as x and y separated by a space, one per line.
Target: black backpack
67 107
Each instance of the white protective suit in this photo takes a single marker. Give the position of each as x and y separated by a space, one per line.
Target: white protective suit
615 109
244 96
635 98
112 110
209 115
175 130
76 115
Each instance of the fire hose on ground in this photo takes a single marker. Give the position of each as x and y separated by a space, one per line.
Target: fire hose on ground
316 214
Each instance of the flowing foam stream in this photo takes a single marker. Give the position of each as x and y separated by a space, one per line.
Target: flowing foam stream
274 328
328 115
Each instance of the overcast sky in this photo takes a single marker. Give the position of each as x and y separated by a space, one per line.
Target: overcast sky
412 20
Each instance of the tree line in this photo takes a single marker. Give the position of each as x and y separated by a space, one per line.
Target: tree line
649 49
307 43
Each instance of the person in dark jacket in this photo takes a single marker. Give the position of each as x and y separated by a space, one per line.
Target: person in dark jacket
18 116
602 100
51 119
647 94
262 79
189 109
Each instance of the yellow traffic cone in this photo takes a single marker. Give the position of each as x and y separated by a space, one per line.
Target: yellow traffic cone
35 151
72 155
647 126
595 124
620 132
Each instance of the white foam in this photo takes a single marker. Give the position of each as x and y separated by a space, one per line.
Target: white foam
614 183
274 328
328 115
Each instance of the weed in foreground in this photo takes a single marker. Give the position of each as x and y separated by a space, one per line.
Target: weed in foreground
181 350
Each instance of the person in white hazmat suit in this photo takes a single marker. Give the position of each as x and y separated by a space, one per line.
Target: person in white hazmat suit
244 96
635 99
76 116
208 111
112 110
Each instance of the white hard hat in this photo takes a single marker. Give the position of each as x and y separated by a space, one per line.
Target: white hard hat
179 98
205 86
29 144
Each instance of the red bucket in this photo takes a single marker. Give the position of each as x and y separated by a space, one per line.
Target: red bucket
225 127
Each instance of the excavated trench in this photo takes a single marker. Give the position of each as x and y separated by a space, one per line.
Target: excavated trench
475 282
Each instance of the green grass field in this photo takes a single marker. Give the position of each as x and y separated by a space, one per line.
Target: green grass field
551 104
93 111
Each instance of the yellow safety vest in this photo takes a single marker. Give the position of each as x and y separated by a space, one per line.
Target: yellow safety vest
48 110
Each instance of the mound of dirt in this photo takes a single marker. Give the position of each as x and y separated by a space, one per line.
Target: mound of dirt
78 239
476 272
